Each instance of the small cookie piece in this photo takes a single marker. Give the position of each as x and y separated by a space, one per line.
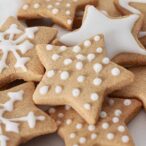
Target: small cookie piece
61 12
122 32
20 119
134 7
18 59
110 130
137 89
79 76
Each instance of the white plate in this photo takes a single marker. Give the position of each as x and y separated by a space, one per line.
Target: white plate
137 127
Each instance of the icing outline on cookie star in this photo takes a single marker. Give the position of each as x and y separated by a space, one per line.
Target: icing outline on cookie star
118 31
12 124
8 43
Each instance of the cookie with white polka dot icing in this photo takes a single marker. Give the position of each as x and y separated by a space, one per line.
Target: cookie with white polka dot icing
79 76
110 130
134 7
137 89
61 12
18 58
20 119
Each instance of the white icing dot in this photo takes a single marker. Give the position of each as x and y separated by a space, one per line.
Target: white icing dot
69 21
97 67
58 89
97 38
97 81
67 61
43 90
103 114
50 73
80 57
115 71
75 145
50 6
52 110
91 128
36 5
99 50
127 102
25 7
110 136
125 139
76 49
118 112
105 125
60 115
106 60
55 57
68 5
93 136
94 96
57 3
115 119
111 102
87 106
68 121
63 48
64 75
55 11
67 12
81 79
79 126
87 43
121 128
49 47
91 57
76 92
72 135
82 140
79 65
67 107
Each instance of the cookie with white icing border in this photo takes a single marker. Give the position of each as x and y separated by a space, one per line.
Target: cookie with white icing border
61 12
137 89
110 130
79 76
20 119
18 58
120 35
134 7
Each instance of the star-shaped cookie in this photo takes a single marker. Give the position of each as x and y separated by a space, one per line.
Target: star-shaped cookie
137 89
18 58
79 76
110 130
120 34
20 119
134 7
61 12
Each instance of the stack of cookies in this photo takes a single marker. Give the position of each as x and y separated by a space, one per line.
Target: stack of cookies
92 77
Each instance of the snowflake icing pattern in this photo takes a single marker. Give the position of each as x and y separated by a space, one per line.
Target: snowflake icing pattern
12 125
9 43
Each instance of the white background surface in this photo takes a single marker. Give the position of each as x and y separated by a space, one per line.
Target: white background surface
137 127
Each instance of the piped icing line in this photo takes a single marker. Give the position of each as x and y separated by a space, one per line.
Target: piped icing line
126 5
118 31
22 43
12 124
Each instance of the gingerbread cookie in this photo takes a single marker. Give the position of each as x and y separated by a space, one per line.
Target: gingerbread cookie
20 119
110 130
134 7
18 59
79 76
61 12
137 89
122 32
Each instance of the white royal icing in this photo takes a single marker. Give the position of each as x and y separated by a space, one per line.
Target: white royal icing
125 5
117 30
10 44
13 124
